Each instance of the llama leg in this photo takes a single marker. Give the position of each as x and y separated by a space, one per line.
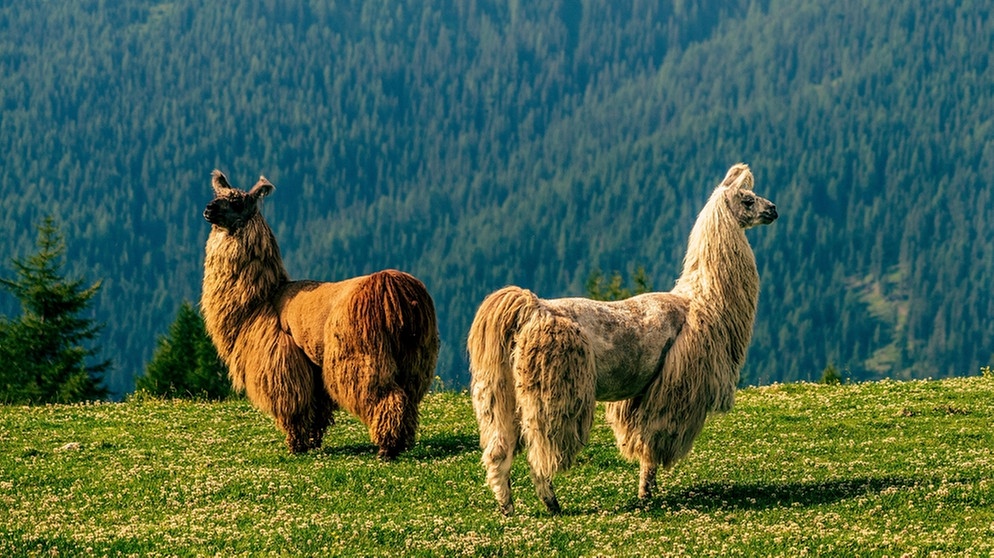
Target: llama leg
324 408
554 384
387 428
494 407
297 432
294 420
408 429
543 487
647 478
628 432
497 460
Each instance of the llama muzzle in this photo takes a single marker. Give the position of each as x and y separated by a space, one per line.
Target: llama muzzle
769 214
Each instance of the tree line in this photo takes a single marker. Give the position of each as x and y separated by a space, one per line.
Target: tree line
486 143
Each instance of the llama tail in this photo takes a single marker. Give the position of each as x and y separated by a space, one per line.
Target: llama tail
408 314
394 319
491 337
532 378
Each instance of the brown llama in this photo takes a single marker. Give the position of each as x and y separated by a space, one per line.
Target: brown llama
302 349
663 360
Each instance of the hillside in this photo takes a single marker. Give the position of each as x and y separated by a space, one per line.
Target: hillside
489 143
874 469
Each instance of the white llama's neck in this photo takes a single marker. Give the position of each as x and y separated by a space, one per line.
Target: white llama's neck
720 278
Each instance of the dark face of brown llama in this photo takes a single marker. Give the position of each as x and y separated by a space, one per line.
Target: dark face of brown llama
232 208
749 209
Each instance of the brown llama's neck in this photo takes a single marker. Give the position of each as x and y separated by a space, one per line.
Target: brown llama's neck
242 273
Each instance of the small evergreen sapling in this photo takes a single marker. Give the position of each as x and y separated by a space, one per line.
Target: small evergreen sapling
185 363
600 289
43 353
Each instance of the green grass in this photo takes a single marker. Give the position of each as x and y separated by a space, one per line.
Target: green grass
876 469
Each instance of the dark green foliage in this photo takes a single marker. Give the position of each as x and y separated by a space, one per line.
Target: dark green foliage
477 144
44 353
185 363
598 288
830 376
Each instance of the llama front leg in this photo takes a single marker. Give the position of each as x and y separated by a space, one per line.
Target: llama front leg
323 409
647 478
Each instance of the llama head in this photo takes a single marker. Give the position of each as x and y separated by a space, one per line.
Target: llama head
748 208
232 208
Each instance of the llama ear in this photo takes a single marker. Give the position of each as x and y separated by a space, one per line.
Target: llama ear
262 188
739 176
219 181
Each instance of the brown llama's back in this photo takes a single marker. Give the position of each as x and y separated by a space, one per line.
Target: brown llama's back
371 335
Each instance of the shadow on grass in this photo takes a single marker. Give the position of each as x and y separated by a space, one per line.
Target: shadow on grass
709 497
712 497
425 449
441 446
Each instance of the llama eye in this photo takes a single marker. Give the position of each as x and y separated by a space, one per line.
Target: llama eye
748 201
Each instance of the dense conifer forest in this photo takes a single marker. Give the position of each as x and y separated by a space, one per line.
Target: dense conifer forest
481 143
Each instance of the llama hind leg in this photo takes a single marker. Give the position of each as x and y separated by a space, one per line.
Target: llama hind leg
647 478
554 384
390 427
545 459
494 407
546 493
498 456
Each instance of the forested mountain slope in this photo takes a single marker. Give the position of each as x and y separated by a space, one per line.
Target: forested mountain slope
477 144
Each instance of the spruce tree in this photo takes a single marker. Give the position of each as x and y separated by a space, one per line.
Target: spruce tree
43 353
185 363
598 289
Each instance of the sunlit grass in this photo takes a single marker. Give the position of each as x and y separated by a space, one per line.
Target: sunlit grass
877 469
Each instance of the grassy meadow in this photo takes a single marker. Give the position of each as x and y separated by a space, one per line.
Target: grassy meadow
874 469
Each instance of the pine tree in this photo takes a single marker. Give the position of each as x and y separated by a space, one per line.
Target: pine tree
43 354
185 363
614 290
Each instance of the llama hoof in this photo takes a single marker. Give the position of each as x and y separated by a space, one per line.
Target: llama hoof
645 494
507 509
552 505
386 456
296 446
